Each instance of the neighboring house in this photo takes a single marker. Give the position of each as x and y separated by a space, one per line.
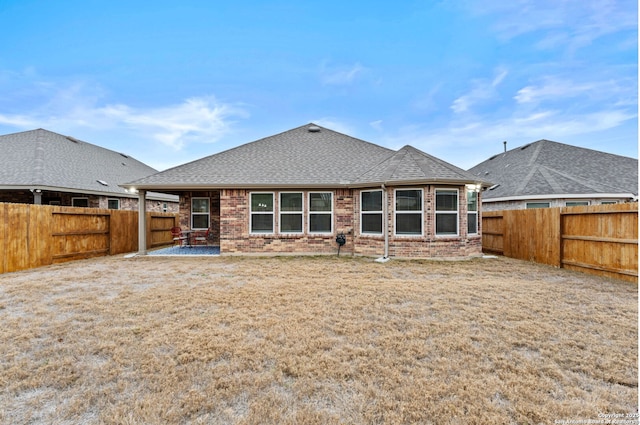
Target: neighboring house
42 167
550 174
295 192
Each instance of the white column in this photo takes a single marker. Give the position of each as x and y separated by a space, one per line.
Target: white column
142 222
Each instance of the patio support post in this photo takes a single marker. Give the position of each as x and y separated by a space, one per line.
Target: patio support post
142 222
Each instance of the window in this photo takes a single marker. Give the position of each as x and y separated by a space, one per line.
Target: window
261 213
472 212
113 204
576 203
371 212
80 202
409 212
320 212
291 212
446 212
199 213
608 202
531 205
165 207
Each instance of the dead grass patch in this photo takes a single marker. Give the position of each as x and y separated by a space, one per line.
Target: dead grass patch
314 340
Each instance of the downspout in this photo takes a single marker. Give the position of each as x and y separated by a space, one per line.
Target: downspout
385 225
142 222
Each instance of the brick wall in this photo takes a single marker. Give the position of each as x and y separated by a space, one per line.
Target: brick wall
236 239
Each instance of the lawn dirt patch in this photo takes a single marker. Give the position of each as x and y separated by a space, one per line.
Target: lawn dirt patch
314 340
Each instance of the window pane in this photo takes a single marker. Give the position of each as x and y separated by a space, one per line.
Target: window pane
291 223
371 223
200 221
472 223
446 224
262 202
372 201
320 202
408 224
531 205
262 223
291 202
200 205
472 201
408 200
81 202
114 204
446 200
320 222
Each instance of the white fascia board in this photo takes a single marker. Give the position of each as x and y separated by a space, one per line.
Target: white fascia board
561 196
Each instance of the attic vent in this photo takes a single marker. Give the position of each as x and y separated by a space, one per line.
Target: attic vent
124 155
493 157
102 182
72 139
525 146
314 129
494 186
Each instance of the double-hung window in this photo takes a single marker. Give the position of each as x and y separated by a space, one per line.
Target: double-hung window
291 212
408 212
446 212
472 212
371 212
200 213
261 213
320 212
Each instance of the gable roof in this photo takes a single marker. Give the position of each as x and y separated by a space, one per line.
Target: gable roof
551 168
307 156
47 160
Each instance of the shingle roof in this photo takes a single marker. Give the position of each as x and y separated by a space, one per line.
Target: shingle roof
306 156
47 160
547 168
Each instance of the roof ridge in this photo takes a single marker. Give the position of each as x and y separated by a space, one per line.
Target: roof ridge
38 158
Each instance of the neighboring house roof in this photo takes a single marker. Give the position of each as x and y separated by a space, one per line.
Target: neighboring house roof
307 156
546 169
50 161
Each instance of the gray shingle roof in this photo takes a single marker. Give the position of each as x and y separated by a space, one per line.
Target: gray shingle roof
547 168
304 158
47 160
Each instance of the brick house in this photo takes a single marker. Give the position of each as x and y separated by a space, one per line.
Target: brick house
43 167
296 191
547 174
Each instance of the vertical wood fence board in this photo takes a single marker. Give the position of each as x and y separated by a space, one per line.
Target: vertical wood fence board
17 226
600 239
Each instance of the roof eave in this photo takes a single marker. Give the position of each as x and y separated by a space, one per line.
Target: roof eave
561 196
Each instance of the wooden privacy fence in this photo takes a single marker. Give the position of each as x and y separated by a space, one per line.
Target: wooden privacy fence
39 235
600 239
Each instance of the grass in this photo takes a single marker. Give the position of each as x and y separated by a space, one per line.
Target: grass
314 340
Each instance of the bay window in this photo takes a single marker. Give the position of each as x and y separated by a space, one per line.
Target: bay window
446 212
408 213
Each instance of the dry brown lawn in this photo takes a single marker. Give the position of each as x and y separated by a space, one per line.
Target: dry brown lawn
314 340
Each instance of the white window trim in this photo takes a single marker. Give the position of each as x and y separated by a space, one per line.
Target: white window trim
79 197
457 213
113 199
362 212
281 213
273 213
208 213
473 212
309 212
396 212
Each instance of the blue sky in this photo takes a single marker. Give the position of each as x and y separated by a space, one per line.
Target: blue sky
169 82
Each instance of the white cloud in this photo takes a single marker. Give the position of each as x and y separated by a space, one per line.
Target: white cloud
341 75
482 90
78 105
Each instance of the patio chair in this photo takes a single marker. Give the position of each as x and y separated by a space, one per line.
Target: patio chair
178 237
201 238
